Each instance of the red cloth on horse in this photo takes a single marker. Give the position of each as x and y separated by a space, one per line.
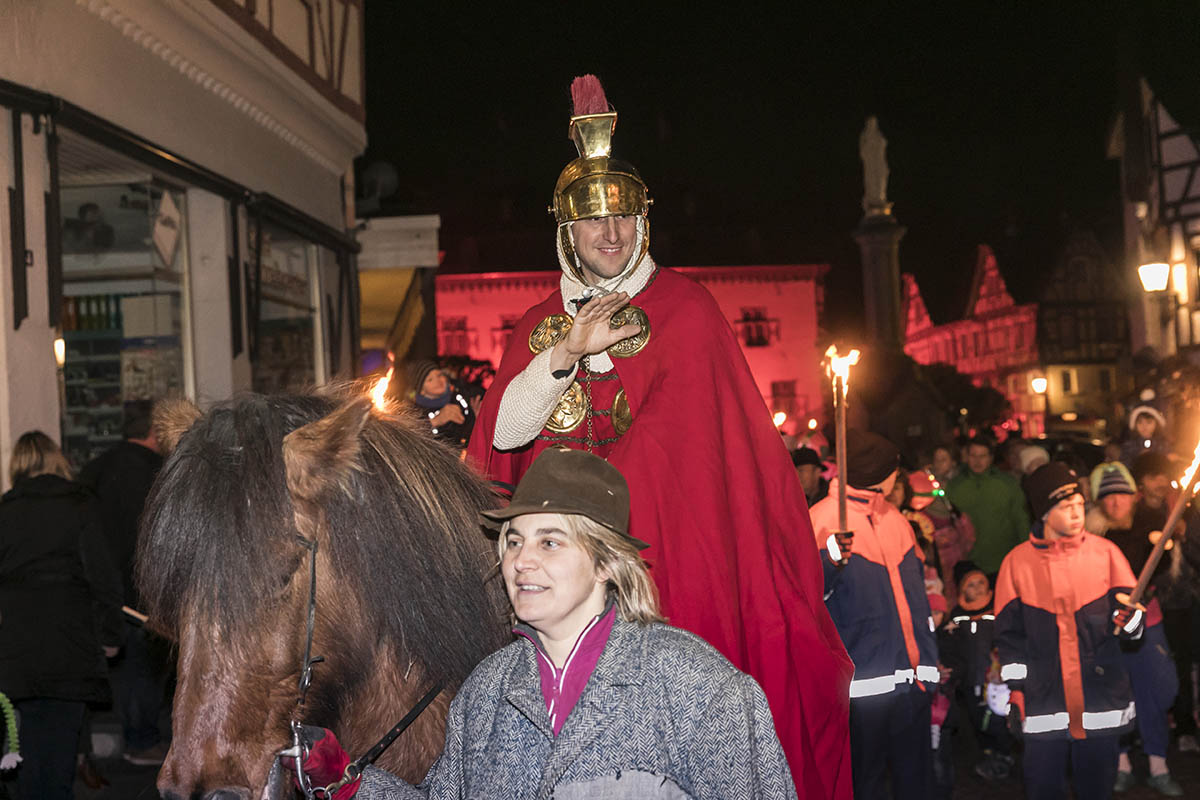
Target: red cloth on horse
713 492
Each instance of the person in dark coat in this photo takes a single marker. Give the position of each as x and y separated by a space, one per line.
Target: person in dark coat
809 467
448 409
60 612
121 479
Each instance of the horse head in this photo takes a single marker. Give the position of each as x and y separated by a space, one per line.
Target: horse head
260 495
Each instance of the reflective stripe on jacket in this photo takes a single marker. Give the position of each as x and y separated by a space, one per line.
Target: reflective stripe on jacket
878 600
1054 633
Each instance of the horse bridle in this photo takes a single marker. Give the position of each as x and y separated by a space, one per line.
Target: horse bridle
298 752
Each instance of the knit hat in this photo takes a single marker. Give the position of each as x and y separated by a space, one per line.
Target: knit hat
870 458
1030 457
1150 410
1049 485
1111 477
417 371
1150 463
803 456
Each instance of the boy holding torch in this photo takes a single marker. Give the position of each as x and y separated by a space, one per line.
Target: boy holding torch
1057 596
875 593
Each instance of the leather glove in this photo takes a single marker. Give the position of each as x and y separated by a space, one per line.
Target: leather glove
839 544
1016 714
324 763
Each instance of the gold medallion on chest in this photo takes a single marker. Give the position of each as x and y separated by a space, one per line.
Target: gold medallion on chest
634 344
571 410
549 332
622 416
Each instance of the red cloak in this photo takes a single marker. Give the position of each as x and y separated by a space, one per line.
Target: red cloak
712 490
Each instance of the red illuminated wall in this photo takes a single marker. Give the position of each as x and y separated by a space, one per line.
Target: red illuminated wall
773 310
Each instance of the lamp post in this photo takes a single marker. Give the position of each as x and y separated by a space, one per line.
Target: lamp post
1155 275
1041 386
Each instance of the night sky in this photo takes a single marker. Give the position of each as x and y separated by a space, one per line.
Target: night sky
745 127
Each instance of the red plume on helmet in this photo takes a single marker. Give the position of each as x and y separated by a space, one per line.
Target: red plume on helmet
587 96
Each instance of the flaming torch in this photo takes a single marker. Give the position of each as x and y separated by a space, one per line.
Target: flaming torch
1186 489
379 390
838 369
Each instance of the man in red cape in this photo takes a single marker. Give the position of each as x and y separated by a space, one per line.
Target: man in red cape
664 393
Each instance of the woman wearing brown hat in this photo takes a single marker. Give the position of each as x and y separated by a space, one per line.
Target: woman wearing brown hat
596 696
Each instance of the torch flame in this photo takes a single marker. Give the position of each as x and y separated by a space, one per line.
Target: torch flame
839 366
379 390
1190 472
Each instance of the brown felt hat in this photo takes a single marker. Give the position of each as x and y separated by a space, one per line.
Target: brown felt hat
563 481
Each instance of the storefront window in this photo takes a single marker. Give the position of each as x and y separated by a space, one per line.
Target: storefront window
124 277
287 343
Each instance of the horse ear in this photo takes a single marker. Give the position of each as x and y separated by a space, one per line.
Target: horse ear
170 420
319 456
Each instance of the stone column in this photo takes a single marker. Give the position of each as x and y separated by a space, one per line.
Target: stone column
878 237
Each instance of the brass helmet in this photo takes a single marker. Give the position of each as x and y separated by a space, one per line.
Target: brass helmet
596 184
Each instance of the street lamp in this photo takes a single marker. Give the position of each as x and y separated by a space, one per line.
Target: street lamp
1155 275
1040 386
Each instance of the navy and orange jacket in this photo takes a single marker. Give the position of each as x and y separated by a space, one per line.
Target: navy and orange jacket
1054 634
878 600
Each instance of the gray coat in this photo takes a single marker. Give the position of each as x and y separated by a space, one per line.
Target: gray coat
664 715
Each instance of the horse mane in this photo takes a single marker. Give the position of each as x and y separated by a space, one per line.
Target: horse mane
218 538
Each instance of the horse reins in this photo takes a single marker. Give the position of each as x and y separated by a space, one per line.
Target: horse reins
298 752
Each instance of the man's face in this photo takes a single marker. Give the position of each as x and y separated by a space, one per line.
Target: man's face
810 477
605 245
942 462
1066 518
1117 507
979 458
1155 488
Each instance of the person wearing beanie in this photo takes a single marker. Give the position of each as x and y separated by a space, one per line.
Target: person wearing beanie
953 532
992 499
1058 617
448 410
1151 670
875 592
809 467
966 645
1147 431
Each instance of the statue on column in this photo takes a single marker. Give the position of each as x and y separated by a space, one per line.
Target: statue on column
872 149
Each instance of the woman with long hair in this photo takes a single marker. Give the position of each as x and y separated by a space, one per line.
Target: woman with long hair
597 696
60 612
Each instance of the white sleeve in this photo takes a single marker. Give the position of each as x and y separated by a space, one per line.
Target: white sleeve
528 401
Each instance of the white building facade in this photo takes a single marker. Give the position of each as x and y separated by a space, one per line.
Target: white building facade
175 184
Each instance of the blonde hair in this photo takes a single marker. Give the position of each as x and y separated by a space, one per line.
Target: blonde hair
35 454
629 582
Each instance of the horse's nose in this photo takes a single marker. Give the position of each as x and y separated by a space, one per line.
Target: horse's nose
227 794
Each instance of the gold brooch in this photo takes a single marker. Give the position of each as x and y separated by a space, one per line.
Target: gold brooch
634 344
570 411
622 416
549 332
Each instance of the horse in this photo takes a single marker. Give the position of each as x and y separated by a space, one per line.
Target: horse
255 495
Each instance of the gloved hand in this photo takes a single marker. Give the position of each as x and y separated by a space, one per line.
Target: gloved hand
839 544
325 762
1129 618
1016 714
